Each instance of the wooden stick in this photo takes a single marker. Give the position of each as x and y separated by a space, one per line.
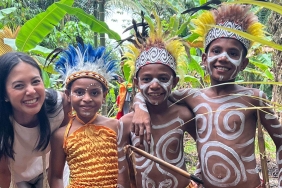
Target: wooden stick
131 167
262 155
165 164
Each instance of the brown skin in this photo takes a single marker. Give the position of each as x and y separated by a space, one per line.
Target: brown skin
161 114
94 97
216 137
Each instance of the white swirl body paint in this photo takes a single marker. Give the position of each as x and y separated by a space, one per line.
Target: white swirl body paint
219 121
161 148
237 166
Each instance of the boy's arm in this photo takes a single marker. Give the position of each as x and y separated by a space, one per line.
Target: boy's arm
123 140
141 120
274 128
5 175
57 160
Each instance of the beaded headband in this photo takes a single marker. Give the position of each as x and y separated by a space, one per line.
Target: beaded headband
155 55
237 17
154 45
84 61
215 33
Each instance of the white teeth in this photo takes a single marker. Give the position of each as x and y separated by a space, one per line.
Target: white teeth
221 68
154 95
30 101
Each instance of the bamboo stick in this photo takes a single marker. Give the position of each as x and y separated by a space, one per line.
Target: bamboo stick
262 155
165 164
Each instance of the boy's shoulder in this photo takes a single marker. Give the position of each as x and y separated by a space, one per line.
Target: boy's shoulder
180 110
127 118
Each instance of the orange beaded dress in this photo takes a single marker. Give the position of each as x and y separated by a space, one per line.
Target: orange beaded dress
92 156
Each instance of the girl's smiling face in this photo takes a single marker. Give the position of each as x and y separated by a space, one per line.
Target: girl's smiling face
86 96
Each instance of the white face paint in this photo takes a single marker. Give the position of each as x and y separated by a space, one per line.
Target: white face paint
167 86
82 92
235 62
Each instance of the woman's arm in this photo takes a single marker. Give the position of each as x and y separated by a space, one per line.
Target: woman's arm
5 175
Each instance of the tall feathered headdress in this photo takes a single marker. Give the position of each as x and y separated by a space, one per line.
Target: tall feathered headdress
85 61
154 45
233 16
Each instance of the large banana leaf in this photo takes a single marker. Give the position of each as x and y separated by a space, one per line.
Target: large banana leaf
251 37
95 25
34 30
271 6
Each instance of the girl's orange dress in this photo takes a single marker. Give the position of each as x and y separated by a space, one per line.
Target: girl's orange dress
92 156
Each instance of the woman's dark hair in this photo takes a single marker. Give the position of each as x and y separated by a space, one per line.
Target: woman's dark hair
7 62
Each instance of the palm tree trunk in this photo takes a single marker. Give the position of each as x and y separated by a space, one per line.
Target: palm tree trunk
96 15
102 43
275 27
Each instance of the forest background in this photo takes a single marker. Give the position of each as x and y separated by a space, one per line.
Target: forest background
37 27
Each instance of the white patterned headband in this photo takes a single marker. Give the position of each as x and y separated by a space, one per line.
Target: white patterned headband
216 33
155 55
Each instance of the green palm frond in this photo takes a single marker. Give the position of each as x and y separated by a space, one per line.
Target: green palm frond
268 5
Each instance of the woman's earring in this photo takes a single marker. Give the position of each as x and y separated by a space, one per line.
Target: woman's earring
6 100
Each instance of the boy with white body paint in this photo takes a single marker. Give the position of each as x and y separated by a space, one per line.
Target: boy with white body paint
225 115
155 76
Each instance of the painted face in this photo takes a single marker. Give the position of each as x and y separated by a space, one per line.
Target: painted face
86 97
155 82
25 90
224 59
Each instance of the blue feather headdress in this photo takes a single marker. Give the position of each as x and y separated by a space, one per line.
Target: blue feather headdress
85 61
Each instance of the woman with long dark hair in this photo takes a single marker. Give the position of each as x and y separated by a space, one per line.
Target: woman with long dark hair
28 115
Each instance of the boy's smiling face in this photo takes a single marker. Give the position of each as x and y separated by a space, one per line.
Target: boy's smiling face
224 59
155 82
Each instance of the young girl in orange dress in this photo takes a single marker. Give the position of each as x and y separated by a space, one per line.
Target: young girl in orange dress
88 143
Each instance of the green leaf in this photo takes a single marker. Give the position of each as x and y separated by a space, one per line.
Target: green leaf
126 72
171 22
251 37
192 37
259 64
7 11
192 80
34 30
202 2
95 25
269 75
149 21
253 71
49 69
271 6
46 79
41 50
182 27
195 65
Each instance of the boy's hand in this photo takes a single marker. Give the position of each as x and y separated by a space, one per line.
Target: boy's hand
140 122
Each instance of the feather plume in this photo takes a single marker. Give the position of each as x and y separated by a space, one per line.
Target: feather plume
86 58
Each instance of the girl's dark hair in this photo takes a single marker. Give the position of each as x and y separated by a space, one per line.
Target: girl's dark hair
7 62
